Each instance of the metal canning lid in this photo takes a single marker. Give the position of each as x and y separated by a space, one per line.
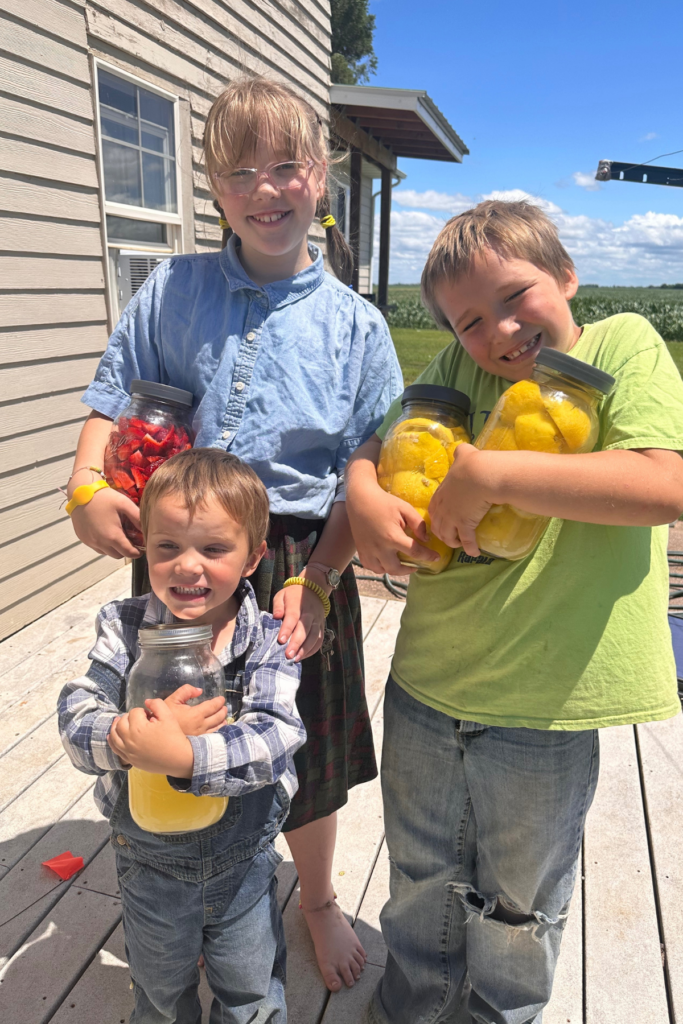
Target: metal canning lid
436 393
175 634
150 389
576 368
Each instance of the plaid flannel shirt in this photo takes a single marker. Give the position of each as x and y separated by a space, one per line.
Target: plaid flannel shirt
253 752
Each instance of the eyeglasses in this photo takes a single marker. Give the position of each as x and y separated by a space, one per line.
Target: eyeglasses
243 180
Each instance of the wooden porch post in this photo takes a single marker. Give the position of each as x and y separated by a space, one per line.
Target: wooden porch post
384 233
354 213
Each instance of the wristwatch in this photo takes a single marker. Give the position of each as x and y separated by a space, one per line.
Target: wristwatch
333 576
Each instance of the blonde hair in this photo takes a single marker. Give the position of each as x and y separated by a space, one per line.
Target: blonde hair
253 110
513 230
202 473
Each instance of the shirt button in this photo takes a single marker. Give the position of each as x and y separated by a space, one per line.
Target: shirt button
226 435
121 840
251 336
239 386
205 789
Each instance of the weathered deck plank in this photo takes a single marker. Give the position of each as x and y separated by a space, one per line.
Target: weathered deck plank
661 751
624 977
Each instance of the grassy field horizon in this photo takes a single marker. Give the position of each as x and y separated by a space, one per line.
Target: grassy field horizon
416 349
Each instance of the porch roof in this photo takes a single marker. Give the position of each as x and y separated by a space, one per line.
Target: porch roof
406 121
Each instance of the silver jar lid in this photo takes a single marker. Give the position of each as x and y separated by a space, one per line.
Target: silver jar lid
175 634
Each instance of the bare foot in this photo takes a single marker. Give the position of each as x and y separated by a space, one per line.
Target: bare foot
339 953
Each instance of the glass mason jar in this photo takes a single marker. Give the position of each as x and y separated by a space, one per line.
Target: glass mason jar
155 425
555 411
172 655
417 452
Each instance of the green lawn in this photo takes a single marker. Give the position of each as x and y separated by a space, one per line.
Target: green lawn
415 349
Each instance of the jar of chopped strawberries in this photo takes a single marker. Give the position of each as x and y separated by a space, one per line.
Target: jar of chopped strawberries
155 426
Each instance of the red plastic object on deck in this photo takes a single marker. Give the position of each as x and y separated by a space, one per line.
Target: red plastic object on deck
64 864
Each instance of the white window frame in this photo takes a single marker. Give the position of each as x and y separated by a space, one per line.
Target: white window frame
174 221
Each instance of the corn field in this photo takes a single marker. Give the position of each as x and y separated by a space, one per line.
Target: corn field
665 314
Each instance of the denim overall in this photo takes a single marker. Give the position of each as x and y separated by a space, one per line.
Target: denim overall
210 892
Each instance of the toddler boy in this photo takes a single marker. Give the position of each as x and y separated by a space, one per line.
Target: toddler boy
204 516
504 671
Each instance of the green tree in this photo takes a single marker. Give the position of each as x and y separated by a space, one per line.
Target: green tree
353 56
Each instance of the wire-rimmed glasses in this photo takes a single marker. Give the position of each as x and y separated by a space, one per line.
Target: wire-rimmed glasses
281 175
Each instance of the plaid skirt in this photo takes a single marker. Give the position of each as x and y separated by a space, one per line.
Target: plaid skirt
339 752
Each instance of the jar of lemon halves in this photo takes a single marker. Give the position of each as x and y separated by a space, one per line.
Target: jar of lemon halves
417 452
555 411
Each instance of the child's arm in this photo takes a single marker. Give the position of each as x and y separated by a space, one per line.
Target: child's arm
98 524
615 488
301 611
238 758
87 708
379 520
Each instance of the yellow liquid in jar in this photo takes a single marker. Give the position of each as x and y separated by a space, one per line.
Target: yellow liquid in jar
156 807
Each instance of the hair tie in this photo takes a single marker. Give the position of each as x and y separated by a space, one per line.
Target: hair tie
223 223
328 221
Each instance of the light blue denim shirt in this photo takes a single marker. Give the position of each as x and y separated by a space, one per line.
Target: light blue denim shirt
290 376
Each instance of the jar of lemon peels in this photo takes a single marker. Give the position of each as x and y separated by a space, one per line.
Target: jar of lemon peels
418 451
556 411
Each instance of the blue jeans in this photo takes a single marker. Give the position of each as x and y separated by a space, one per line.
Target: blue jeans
212 892
484 828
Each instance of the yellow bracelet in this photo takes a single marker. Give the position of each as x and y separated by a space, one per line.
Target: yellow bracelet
83 494
301 581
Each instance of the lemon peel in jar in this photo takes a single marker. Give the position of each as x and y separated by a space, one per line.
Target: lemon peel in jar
572 421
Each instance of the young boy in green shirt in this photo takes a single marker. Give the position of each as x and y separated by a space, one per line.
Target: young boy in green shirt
503 670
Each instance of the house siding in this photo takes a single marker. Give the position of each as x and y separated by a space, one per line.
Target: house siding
54 315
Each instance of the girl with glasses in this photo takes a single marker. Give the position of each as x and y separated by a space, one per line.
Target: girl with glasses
291 371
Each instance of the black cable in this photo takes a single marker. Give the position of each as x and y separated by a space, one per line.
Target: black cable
675 152
397 588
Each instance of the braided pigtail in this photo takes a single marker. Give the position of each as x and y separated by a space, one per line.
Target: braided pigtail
227 230
338 252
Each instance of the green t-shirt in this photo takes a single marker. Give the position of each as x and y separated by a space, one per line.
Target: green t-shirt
575 636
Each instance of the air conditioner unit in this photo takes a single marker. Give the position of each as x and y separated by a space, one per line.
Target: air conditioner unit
132 271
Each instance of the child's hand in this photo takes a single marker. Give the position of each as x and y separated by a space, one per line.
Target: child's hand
155 743
99 523
461 502
303 621
196 719
379 523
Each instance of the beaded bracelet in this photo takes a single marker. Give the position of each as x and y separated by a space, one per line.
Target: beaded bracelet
301 581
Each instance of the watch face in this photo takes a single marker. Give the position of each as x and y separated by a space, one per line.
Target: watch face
334 578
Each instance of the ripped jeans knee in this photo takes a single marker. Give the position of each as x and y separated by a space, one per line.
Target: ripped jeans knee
498 907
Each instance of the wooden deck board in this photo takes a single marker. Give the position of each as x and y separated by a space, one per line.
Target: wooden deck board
661 749
73 944
624 976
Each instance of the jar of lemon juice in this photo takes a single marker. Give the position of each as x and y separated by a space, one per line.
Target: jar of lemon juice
417 452
172 655
555 411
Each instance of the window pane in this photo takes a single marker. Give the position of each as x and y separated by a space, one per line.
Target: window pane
159 178
156 140
119 126
116 92
123 229
156 110
121 174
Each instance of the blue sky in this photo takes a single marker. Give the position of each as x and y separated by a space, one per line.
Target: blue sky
540 92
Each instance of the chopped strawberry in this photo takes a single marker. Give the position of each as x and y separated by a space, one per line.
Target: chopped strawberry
140 478
138 459
122 481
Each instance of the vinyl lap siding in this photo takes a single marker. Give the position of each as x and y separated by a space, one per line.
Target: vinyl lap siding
53 311
52 302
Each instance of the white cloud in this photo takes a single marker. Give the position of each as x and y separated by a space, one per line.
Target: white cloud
431 200
586 181
646 248
649 137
